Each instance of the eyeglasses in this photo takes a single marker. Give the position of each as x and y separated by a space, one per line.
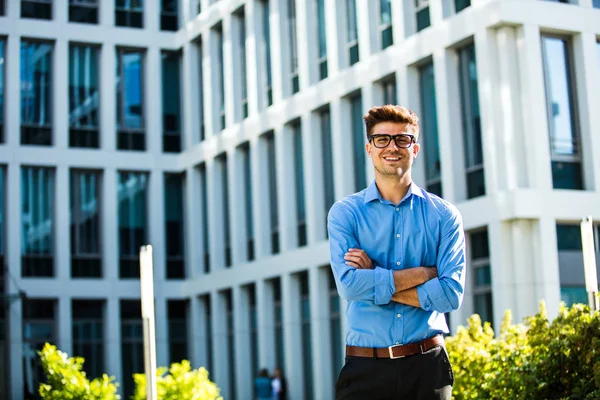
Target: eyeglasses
382 141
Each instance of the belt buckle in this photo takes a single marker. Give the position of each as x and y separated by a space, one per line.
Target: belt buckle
391 350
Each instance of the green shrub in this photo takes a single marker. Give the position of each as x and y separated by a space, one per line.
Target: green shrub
537 359
66 380
180 383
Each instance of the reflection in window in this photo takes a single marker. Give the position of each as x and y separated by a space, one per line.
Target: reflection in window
247 176
36 93
422 14
85 11
322 38
174 228
86 257
130 104
39 327
88 335
219 93
481 276
253 325
336 327
131 196
299 182
171 101
306 336
169 20
37 218
565 147
39 9
471 122
293 38
2 63
177 313
271 165
241 20
388 87
358 142
429 130
132 343
460 5
84 99
129 13
385 23
266 50
352 32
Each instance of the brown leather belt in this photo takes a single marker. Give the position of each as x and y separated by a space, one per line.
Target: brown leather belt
397 351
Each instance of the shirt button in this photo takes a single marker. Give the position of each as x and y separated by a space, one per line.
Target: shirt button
398 315
398 263
398 235
397 342
397 209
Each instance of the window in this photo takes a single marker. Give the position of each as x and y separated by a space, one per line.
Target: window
37 217
39 9
247 176
389 91
266 50
88 335
86 254
131 197
565 143
327 154
429 130
306 339
253 324
84 98
293 38
460 5
132 343
3 289
130 104
322 38
336 327
36 93
271 165
169 20
2 10
200 49
174 226
85 11
220 71
205 222
422 14
206 332
240 18
352 32
358 140
596 3
299 183
171 101
385 23
2 232
481 275
198 7
222 170
129 13
2 63
39 327
230 333
178 311
471 122
278 311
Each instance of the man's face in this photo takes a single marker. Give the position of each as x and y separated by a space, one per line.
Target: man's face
392 160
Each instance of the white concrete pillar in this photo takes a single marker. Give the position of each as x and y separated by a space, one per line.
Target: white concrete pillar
292 332
161 315
369 100
237 211
244 383
336 37
110 227
260 198
153 123
399 27
231 70
60 98
253 57
546 265
280 49
306 17
112 333
210 82
266 324
190 90
286 190
342 147
313 179
61 221
436 12
106 15
156 224
197 338
12 90
194 246
108 61
216 230
220 350
321 333
368 20
152 16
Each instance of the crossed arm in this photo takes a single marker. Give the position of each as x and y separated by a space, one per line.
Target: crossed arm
405 280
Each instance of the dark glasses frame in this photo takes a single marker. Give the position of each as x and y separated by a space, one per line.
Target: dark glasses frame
389 139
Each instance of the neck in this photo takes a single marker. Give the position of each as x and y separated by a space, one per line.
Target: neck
393 188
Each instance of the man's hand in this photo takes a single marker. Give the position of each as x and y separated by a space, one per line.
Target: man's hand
357 258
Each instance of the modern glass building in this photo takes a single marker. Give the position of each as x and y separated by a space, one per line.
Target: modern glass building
221 131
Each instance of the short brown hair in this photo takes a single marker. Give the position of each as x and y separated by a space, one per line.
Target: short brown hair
391 113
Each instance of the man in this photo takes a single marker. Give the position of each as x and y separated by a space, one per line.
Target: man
398 257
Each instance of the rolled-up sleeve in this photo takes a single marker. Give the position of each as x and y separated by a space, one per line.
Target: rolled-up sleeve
445 293
376 284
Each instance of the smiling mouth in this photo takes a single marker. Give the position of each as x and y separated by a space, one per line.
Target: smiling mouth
393 159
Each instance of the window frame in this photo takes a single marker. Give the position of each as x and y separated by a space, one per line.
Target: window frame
127 132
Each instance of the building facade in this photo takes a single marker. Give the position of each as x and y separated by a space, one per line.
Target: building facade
221 131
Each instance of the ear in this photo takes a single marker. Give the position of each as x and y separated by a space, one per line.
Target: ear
369 149
416 149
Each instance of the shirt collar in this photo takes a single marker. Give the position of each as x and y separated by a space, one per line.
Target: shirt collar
372 193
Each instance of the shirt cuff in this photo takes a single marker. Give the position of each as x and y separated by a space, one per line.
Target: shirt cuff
384 285
431 294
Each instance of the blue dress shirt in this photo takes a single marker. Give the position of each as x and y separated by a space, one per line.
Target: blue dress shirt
423 230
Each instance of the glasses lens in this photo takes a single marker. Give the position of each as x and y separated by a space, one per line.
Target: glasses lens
381 140
403 140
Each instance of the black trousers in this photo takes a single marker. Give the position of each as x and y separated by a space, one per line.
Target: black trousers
420 377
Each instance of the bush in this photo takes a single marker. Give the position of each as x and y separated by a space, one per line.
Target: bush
537 359
66 380
180 383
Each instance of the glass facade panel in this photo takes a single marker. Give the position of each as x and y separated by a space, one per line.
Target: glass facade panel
133 232
389 91
422 14
201 117
460 5
241 17
39 9
327 154
481 275
278 310
306 339
322 38
37 219
84 11
230 332
39 327
2 224
86 255
129 13
273 202
178 311
205 222
169 19
266 49
171 101
359 141
596 3
220 67
36 93
471 121
221 162
385 23
132 343
352 32
253 324
247 174
2 63
130 100
429 130
207 331
293 39
565 147
88 335
84 97
174 225
299 183
337 357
